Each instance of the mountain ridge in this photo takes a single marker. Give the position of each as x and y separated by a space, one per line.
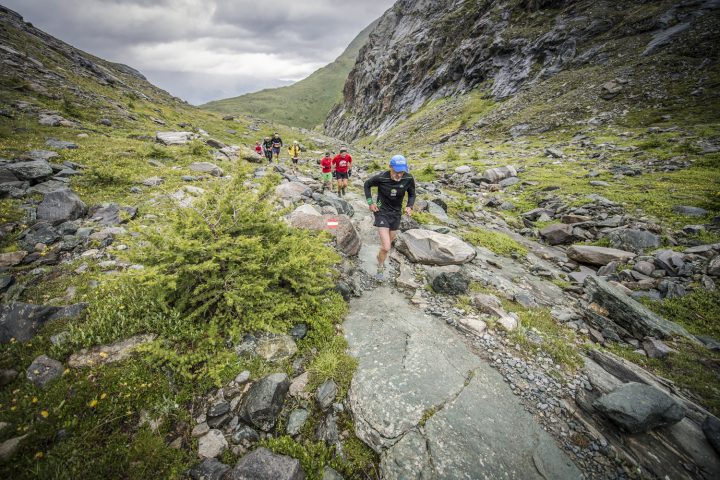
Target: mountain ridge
305 103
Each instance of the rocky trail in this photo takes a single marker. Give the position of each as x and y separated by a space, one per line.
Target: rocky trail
442 393
431 404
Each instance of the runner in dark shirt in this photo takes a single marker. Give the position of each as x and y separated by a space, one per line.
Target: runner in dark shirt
392 186
276 144
268 147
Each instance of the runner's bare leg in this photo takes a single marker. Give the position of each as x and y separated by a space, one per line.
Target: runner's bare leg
385 242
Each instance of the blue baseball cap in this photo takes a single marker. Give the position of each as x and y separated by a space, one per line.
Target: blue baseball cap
399 163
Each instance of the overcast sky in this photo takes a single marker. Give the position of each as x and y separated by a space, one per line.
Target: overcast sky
203 50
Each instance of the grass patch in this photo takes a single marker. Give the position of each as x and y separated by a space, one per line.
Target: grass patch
496 242
558 341
698 311
332 362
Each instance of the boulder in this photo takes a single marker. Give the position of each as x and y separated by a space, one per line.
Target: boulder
472 325
60 144
60 206
495 175
633 240
655 348
41 232
114 352
432 248
43 370
711 429
206 167
325 394
610 90
463 169
629 314
262 404
208 469
347 239
713 267
32 171
111 214
304 209
10 259
327 430
212 444
637 407
262 464
330 474
296 421
554 152
557 233
450 283
10 446
599 256
342 207
689 211
270 347
42 155
174 138
244 435
488 304
671 261
292 191
508 182
22 320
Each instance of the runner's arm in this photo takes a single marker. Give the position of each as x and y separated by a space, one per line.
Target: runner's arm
369 183
411 194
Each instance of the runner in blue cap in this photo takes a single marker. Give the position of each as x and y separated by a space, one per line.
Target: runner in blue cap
387 208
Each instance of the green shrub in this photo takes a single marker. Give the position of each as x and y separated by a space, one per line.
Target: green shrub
214 271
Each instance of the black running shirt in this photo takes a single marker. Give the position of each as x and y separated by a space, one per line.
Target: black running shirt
391 193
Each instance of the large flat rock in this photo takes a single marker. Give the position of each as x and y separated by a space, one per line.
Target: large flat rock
411 365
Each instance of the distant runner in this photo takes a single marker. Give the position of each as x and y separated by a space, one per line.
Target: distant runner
259 149
268 148
392 185
326 164
294 151
342 163
277 143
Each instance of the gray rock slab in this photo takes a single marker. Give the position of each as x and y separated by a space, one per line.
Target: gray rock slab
629 314
636 407
262 464
43 370
60 205
479 428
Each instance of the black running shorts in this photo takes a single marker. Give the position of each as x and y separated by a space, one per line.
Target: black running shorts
387 220
342 175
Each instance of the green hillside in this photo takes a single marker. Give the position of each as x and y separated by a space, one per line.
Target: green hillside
302 104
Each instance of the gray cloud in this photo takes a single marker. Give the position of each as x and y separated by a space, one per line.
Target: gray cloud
207 49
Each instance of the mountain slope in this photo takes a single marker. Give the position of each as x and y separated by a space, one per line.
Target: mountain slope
302 104
131 268
574 61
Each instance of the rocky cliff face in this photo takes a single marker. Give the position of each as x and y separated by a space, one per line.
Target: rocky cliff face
425 49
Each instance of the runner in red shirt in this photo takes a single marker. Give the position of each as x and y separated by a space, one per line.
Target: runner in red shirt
342 164
326 164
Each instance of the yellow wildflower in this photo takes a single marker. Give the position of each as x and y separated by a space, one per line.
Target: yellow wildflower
39 455
44 413
35 400
103 395
93 403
